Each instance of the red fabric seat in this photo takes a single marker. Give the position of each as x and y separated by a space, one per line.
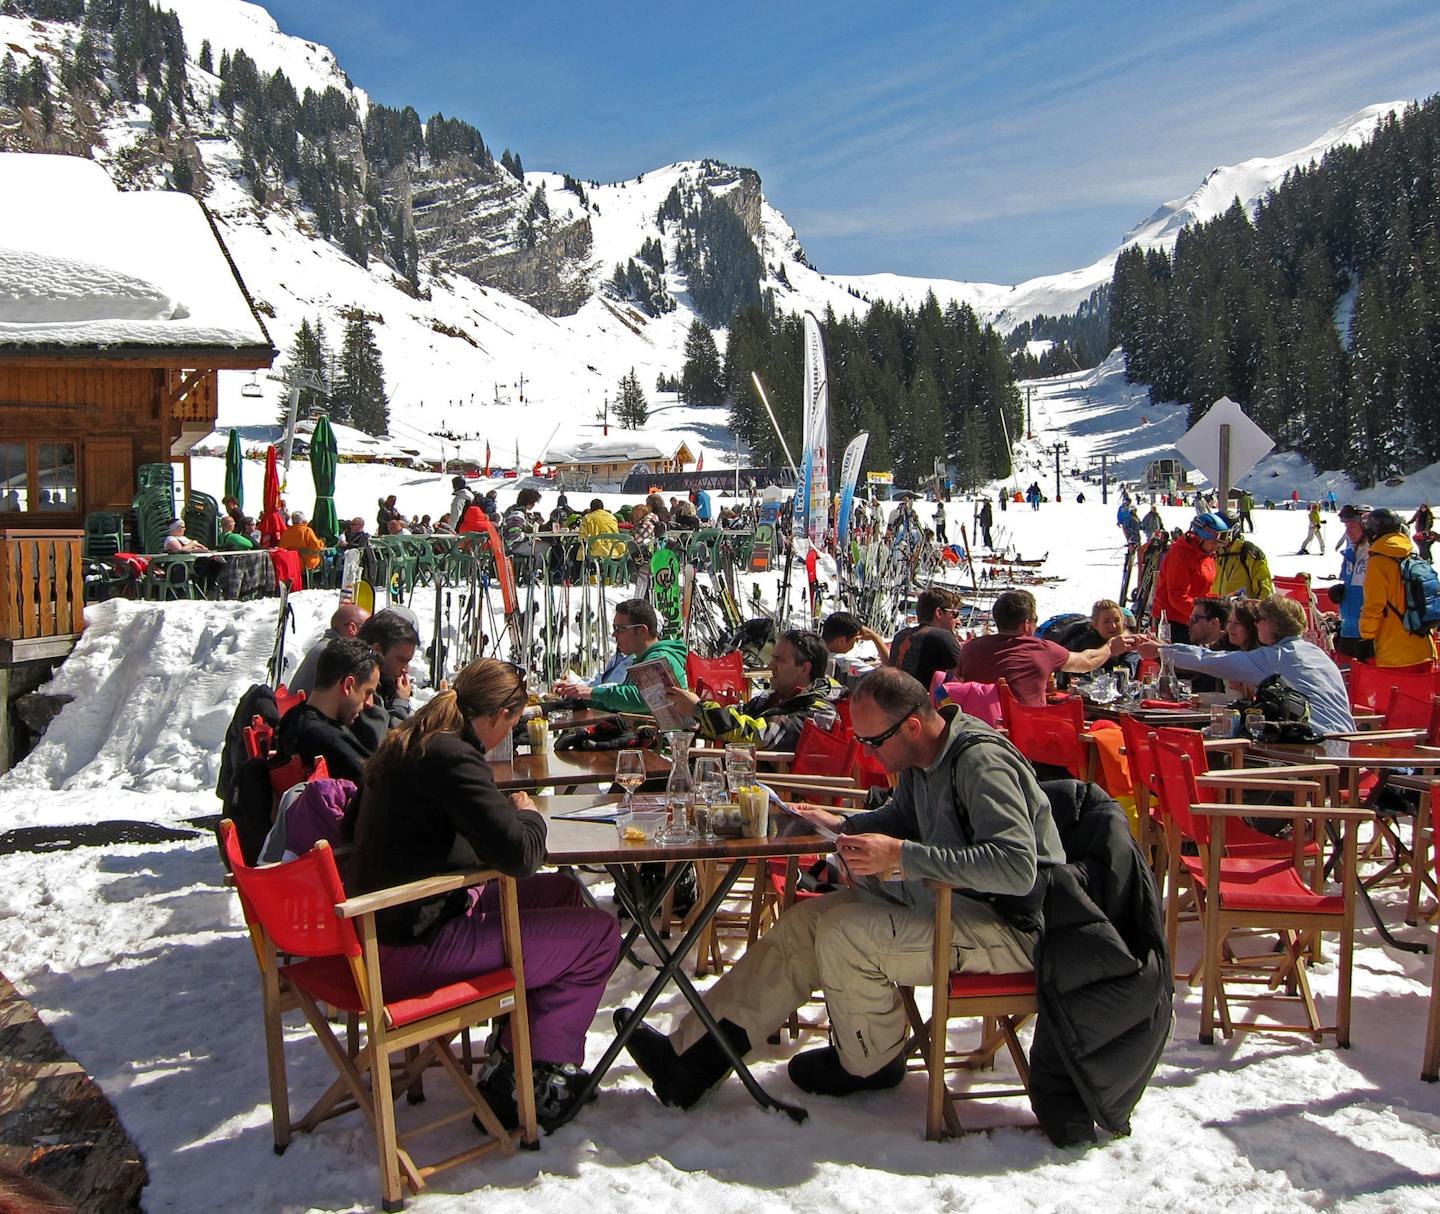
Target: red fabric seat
1046 735
984 986
1262 885
329 980
719 679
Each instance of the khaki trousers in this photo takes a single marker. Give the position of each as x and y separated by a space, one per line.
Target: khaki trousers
856 949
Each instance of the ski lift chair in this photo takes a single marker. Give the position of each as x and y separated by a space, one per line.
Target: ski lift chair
1235 893
331 956
251 388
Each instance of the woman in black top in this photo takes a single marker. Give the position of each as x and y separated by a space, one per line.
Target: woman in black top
430 806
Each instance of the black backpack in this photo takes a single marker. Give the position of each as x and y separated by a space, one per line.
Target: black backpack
1287 712
259 701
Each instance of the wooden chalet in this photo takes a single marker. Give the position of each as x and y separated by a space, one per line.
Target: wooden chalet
117 311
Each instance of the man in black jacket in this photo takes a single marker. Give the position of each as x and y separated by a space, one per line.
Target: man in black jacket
346 678
394 638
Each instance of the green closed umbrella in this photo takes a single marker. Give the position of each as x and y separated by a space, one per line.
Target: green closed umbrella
234 467
323 455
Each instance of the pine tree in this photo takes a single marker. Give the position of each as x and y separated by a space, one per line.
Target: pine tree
632 410
360 379
701 379
308 353
205 61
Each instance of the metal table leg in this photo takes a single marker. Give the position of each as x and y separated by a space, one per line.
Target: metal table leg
672 970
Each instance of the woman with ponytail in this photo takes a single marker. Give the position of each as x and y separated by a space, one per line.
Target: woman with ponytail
430 806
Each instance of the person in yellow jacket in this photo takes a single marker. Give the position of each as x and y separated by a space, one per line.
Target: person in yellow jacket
599 521
1241 568
300 537
1381 618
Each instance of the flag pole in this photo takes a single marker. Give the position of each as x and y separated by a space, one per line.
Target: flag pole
764 400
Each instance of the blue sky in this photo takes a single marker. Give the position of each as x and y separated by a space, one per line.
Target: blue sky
965 140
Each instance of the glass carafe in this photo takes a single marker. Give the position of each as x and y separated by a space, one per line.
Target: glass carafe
679 788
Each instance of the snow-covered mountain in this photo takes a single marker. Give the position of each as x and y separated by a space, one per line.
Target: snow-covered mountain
507 339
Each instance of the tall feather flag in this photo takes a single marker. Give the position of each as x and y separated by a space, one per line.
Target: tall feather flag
849 478
812 499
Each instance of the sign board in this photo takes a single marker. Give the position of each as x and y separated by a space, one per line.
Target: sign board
1248 443
879 478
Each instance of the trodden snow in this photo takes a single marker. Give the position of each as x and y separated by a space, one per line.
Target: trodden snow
137 957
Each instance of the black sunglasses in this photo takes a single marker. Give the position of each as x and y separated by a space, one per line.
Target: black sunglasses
880 739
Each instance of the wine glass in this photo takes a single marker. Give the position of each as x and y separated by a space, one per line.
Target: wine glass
630 774
709 791
1255 724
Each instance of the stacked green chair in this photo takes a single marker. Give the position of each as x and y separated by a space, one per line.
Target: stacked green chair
202 518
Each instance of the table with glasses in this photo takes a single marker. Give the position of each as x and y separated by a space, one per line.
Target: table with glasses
570 769
573 843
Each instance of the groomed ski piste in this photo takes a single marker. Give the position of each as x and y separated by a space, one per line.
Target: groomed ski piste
136 956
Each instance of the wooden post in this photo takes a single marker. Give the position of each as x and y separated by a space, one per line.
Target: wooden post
1224 466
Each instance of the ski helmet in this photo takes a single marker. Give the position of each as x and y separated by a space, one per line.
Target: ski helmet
1380 522
1210 526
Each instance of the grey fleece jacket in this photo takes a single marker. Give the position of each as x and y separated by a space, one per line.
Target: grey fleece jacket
1011 830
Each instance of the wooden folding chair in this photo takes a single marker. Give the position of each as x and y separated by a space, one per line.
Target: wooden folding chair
1430 1065
1234 894
1003 1003
331 956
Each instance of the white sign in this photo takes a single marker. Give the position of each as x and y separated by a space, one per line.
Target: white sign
1248 443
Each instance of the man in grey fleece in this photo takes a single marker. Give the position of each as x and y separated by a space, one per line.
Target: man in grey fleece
967 810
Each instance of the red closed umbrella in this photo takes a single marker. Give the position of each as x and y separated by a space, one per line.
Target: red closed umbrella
272 520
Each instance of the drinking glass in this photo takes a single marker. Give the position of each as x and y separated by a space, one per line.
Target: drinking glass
1255 724
739 766
630 773
709 792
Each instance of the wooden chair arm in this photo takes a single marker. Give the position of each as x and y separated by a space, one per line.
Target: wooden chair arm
787 778
1372 736
801 784
1411 783
1285 771
1223 744
1283 811
413 891
1222 779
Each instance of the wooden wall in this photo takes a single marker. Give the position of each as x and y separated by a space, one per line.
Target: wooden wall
119 417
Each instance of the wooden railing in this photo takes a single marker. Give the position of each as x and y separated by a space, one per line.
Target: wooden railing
42 587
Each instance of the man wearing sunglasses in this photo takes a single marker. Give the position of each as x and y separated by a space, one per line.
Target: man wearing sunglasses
637 636
967 811
931 644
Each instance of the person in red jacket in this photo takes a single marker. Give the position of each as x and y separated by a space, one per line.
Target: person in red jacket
1187 571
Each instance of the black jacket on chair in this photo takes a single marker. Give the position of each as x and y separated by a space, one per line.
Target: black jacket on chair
1102 973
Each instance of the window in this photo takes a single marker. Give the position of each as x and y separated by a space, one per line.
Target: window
38 477
55 465
14 478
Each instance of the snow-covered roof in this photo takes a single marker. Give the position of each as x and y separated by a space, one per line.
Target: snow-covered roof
87 270
614 450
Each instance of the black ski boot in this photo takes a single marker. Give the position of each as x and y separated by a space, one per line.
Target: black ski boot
680 1080
820 1073
557 1087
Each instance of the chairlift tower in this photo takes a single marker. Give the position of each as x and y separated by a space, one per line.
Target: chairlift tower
297 379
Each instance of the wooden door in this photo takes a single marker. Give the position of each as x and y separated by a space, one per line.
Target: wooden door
109 473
